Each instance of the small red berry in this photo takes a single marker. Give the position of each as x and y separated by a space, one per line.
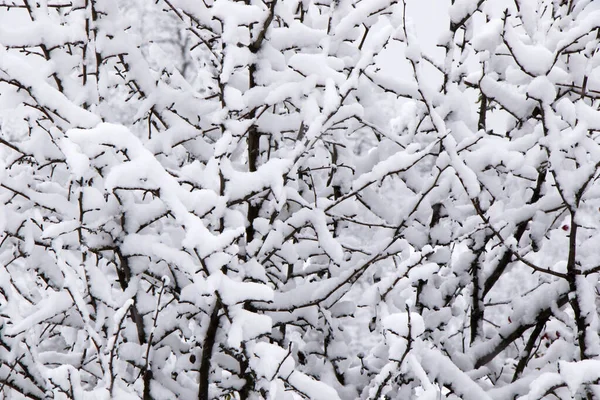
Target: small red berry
565 227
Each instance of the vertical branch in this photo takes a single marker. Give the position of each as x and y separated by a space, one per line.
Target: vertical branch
44 48
82 245
112 345
207 349
521 228
574 300
526 354
572 278
124 274
477 307
91 17
482 111
147 371
253 141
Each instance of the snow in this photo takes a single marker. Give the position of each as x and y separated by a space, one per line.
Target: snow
131 351
577 373
246 326
467 177
542 89
30 34
233 98
400 324
319 65
567 111
543 383
395 163
55 304
311 388
77 161
442 369
269 175
144 166
233 292
514 102
378 194
588 115
461 9
55 230
12 67
271 360
101 289
535 59
488 36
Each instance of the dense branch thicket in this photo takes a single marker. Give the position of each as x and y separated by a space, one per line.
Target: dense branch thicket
232 199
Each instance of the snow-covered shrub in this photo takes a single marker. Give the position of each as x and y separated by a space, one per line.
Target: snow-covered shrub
233 199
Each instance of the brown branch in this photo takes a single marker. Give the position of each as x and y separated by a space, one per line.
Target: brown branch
207 350
518 331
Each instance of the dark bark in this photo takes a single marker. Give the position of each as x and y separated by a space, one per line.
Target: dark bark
207 350
519 331
580 320
529 348
124 275
521 228
477 307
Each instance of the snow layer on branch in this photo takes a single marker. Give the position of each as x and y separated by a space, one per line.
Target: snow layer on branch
305 294
55 304
397 162
272 362
49 200
508 97
288 89
237 13
402 324
78 162
541 385
389 82
145 167
460 9
269 175
40 31
441 368
526 309
488 37
295 35
318 220
583 26
311 388
234 292
151 246
575 374
540 88
357 16
588 115
246 325
534 59
510 391
54 230
320 65
466 175
14 68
